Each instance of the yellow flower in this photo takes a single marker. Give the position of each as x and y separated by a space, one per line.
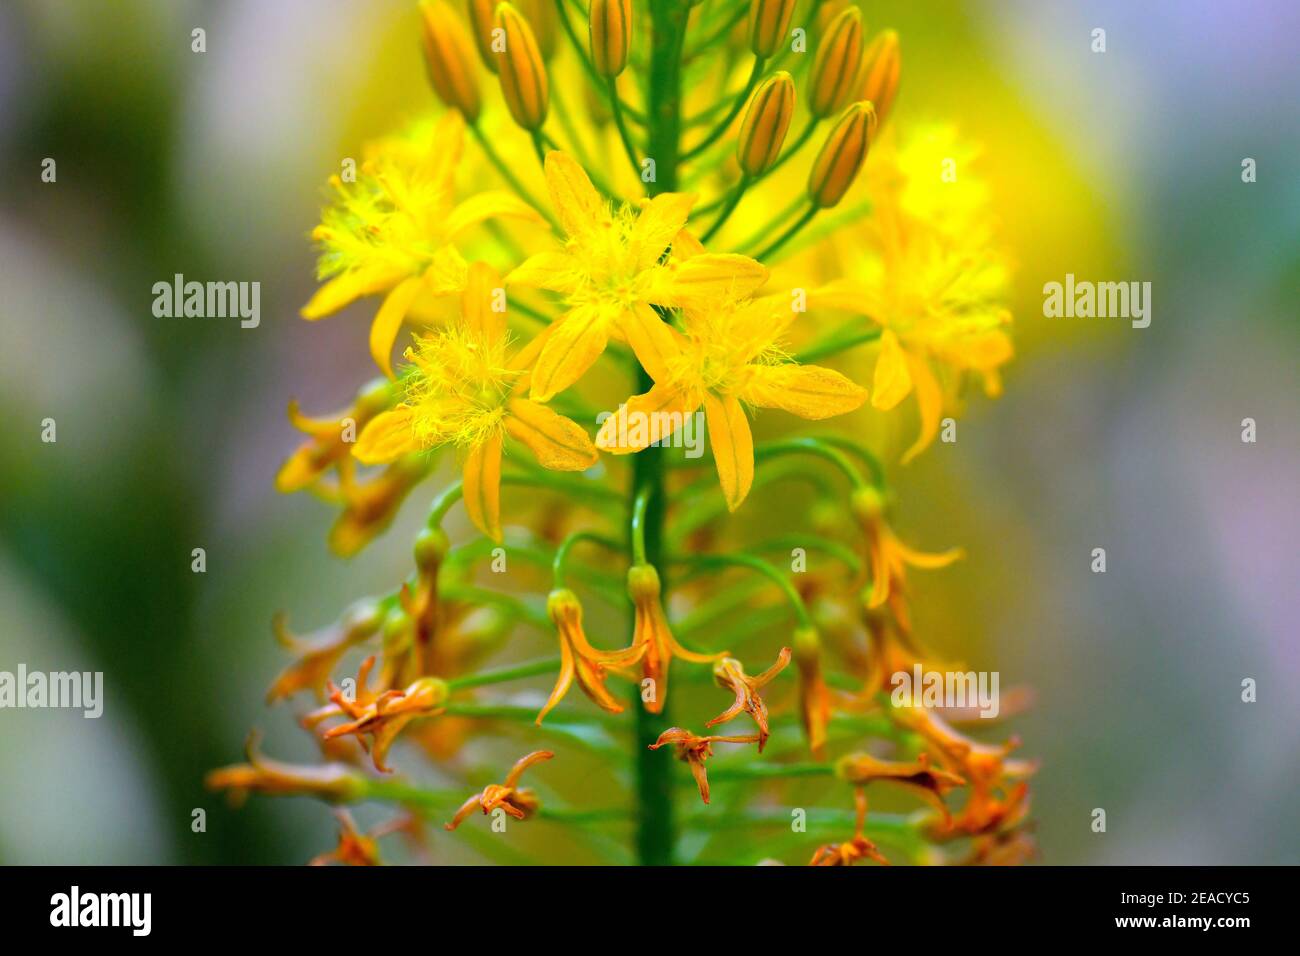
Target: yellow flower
392 231
462 390
728 355
609 273
933 282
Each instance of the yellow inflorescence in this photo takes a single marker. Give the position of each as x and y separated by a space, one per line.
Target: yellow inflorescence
604 237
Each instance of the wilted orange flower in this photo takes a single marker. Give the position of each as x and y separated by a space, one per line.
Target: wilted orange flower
730 674
996 800
318 655
814 695
579 659
369 506
886 555
381 715
520 804
354 847
332 782
329 438
695 750
846 854
929 783
654 635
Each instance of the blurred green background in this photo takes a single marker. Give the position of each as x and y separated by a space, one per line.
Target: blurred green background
1122 166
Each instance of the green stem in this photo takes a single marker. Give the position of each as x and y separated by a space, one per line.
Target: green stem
788 234
616 106
737 105
656 832
762 567
548 666
730 207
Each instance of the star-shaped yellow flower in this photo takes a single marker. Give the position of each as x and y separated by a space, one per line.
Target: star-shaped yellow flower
392 230
728 355
610 271
463 389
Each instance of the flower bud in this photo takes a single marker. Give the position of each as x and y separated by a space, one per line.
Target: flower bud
835 67
522 72
449 60
769 24
480 28
762 132
841 156
881 66
610 29
541 16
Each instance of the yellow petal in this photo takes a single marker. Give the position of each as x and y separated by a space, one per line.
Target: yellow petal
481 486
343 289
755 327
808 391
481 283
299 470
575 342
557 442
929 402
446 271
847 294
577 203
487 205
659 222
388 321
892 381
706 278
645 419
555 270
653 340
386 436
733 447
928 561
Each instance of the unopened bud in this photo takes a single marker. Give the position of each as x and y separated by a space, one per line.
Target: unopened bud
522 72
835 67
643 583
449 59
769 23
481 24
881 65
610 28
841 156
762 132
541 16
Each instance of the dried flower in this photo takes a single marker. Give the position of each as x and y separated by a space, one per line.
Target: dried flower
519 803
694 750
730 675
